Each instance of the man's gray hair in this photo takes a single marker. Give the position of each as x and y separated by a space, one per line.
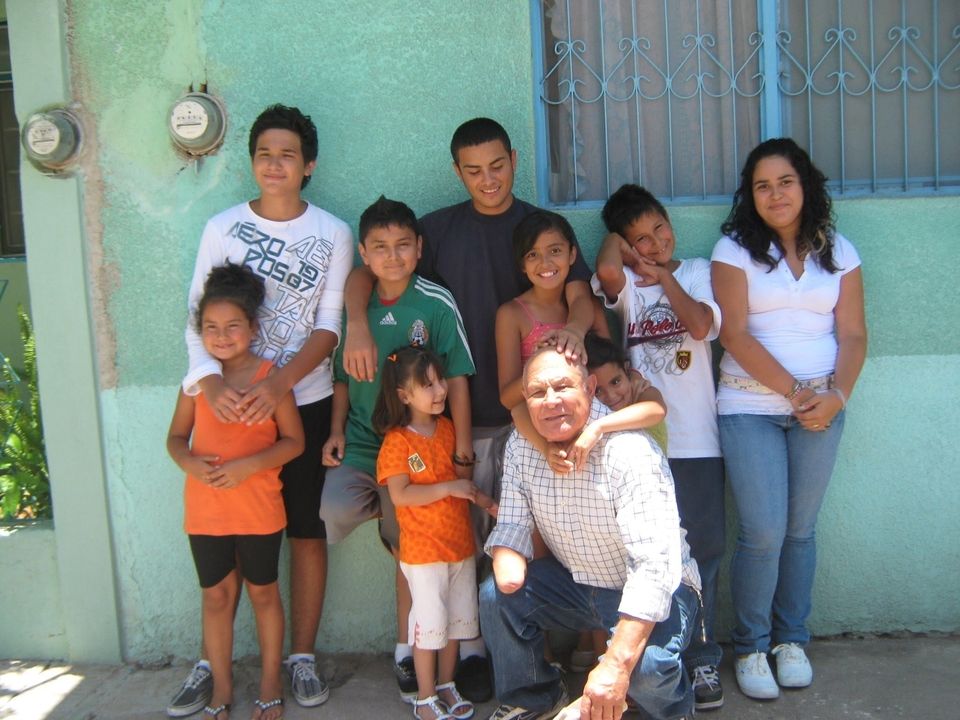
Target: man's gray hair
584 373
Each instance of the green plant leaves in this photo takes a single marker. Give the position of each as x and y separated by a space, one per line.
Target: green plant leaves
24 478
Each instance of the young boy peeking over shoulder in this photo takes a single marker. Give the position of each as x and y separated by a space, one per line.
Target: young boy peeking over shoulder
620 386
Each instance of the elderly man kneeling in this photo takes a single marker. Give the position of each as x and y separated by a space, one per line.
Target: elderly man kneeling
620 562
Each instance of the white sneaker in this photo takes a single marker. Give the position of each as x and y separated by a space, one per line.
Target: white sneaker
754 676
793 668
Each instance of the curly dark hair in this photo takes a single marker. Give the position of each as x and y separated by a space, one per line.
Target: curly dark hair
232 283
817 230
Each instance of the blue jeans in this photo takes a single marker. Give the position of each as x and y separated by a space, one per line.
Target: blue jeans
779 473
513 625
699 488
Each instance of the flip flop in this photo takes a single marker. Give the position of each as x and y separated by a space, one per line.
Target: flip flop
265 705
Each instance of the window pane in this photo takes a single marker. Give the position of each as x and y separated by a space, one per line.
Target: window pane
868 87
665 94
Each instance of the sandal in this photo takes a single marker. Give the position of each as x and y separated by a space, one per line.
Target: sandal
460 708
265 705
214 712
438 708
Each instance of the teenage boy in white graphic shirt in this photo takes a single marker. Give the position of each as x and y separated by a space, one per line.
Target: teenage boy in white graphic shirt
303 254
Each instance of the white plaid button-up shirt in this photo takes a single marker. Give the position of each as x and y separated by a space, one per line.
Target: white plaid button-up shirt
613 524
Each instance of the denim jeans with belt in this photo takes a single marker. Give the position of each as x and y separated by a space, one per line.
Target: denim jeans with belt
778 472
513 624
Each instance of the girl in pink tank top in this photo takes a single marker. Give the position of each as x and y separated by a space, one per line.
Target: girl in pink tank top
545 248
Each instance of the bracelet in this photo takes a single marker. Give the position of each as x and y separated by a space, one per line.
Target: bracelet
795 390
464 461
843 398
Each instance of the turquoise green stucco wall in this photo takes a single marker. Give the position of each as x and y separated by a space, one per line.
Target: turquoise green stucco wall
387 82
30 594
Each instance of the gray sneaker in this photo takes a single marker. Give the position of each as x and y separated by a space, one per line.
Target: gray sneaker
195 692
309 690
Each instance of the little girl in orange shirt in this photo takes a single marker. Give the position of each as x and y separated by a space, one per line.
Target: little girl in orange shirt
436 540
234 513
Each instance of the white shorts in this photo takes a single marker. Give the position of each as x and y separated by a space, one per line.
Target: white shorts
444 602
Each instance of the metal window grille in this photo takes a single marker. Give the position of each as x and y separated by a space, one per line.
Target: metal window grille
673 94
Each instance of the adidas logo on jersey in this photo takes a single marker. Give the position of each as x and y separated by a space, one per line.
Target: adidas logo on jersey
388 319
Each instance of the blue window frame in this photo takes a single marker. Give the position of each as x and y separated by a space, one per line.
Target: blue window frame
673 94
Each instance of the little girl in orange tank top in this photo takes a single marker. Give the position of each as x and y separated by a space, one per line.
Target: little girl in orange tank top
234 515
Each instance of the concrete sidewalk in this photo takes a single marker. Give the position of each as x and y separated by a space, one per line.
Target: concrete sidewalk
915 678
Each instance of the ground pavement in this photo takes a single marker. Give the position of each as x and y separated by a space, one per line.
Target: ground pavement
915 678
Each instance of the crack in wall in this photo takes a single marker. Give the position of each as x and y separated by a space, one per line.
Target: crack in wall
103 276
